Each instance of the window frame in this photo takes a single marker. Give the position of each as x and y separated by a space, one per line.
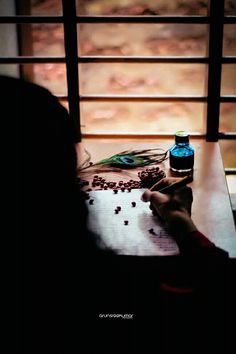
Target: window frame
216 20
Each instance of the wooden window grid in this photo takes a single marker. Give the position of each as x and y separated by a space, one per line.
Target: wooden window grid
214 60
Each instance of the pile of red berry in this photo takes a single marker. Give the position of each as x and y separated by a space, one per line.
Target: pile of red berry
151 176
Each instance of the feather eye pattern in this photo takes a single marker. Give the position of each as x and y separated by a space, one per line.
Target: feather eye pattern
130 159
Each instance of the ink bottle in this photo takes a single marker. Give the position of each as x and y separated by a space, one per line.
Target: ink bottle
181 154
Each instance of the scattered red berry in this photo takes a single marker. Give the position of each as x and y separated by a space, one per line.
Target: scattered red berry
151 231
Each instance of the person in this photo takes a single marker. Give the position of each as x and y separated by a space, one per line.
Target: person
64 281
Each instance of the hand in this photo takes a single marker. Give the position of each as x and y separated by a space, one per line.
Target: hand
174 208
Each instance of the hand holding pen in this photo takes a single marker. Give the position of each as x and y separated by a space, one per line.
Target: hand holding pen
172 201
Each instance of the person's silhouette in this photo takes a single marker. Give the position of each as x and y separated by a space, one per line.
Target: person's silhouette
64 281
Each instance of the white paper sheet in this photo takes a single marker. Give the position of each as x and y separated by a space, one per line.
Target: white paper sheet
134 238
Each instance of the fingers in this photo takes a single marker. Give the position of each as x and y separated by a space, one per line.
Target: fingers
165 204
184 196
156 200
153 197
145 197
153 210
184 193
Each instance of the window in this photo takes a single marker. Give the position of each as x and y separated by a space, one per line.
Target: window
131 67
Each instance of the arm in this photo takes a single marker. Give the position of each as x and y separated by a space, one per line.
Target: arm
202 263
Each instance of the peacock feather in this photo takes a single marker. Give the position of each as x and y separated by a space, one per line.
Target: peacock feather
128 159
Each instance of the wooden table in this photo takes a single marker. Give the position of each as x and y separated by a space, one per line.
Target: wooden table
211 211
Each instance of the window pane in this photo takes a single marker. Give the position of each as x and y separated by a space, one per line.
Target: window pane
229 40
7 8
48 39
143 39
144 7
52 76
45 7
8 40
38 7
228 84
227 117
142 118
230 7
9 70
228 148
159 79
42 39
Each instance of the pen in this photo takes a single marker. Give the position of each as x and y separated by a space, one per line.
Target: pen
180 183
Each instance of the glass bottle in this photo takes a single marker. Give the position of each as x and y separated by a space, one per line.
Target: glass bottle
182 153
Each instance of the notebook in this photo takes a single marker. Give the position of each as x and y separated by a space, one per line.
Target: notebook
132 230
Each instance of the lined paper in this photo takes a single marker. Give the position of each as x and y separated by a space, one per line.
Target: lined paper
134 238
